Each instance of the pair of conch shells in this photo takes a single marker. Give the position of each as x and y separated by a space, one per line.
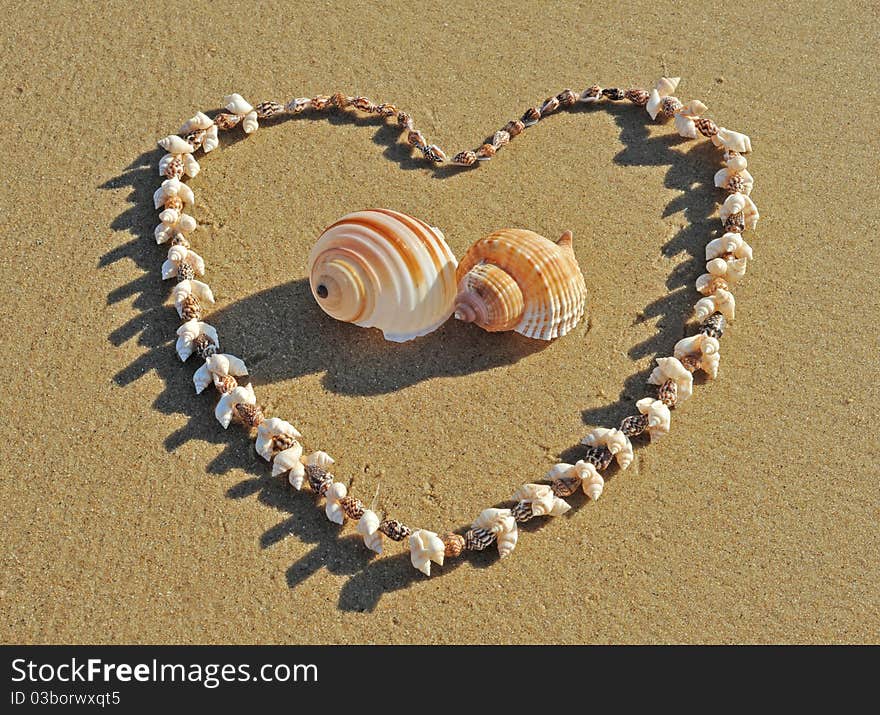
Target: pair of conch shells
381 268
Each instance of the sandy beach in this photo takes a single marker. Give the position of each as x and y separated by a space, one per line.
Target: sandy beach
131 516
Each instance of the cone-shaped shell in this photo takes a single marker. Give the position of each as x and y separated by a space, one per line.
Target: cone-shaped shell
515 279
383 269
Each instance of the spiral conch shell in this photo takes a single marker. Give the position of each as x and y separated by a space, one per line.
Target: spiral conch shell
664 88
704 348
501 523
670 368
515 279
368 527
615 441
383 269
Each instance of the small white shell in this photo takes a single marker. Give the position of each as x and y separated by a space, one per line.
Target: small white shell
191 287
658 415
178 255
170 216
173 222
685 126
705 348
616 442
333 509
425 547
578 470
732 268
593 484
202 378
249 123
717 267
188 332
174 144
289 460
723 177
236 104
193 259
198 121
653 105
501 523
721 301
737 162
320 459
210 141
220 365
670 368
740 203
368 527
703 283
190 166
728 243
542 500
171 188
684 118
694 108
732 141
269 428
239 396
664 87
169 269
667 85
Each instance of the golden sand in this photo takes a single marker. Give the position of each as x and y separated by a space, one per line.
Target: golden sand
131 516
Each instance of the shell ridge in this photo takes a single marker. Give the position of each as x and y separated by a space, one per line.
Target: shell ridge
428 249
547 274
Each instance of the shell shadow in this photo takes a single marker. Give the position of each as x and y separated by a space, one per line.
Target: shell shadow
356 361
365 366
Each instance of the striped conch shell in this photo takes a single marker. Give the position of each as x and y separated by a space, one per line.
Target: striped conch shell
383 269
501 523
514 279
704 348
541 499
670 368
721 301
615 441
740 203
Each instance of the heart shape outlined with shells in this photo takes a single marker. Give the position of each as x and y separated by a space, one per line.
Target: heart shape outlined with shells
278 441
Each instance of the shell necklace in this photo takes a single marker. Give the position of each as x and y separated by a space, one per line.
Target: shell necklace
278 441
